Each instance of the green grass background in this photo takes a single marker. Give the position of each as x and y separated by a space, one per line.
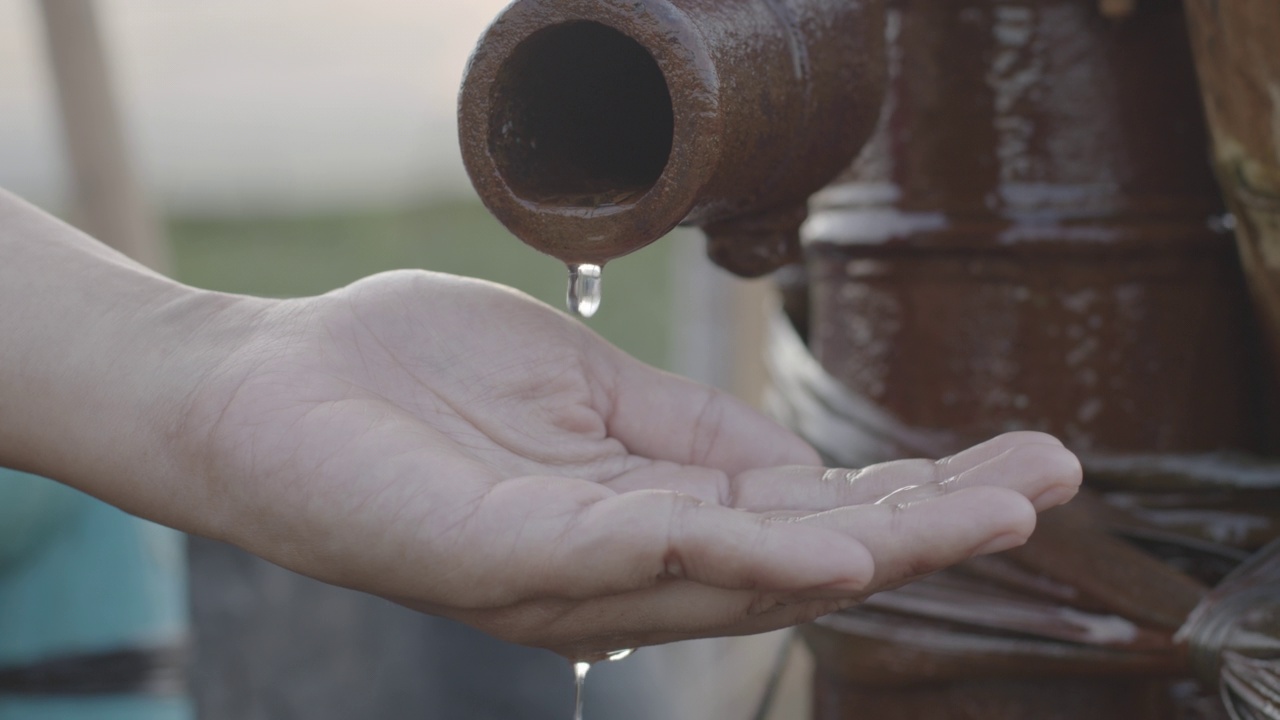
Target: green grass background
296 256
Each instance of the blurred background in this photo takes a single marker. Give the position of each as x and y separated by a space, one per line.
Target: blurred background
241 107
292 147
288 148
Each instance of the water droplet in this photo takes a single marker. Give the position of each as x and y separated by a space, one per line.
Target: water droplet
580 669
584 289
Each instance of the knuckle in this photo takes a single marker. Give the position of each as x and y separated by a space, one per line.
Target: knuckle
679 510
761 603
813 610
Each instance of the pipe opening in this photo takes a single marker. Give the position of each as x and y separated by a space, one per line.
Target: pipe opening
581 117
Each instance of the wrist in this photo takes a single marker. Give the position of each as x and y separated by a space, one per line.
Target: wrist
97 358
194 340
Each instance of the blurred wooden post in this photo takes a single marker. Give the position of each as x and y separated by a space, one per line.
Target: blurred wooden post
718 322
109 202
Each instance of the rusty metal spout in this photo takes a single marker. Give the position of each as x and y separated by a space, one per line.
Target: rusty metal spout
590 128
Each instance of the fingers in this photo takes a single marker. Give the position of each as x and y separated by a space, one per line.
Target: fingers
917 538
635 540
905 541
665 417
1034 464
639 540
1019 474
717 571
706 484
632 540
1047 475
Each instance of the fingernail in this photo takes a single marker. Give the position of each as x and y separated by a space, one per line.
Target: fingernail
1053 497
1000 544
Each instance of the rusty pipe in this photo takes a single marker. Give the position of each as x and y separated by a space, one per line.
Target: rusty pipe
590 128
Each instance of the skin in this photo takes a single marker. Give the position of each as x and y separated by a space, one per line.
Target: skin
462 449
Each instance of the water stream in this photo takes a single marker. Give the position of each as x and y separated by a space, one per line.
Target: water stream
580 669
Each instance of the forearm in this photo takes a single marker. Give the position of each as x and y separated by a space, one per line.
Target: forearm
96 356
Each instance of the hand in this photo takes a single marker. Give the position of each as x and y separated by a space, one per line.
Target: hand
459 448
462 449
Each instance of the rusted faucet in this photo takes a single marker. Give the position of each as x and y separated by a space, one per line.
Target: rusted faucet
591 128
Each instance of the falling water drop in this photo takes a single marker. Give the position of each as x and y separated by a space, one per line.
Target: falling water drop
580 669
584 289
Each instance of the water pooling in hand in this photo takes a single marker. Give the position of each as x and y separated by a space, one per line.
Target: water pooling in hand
580 669
583 297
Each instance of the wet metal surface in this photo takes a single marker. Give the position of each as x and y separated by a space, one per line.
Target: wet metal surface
1090 609
1028 239
1033 239
590 128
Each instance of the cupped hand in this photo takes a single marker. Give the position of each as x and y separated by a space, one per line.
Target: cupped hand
460 448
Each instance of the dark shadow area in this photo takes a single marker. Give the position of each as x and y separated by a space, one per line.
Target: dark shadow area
583 117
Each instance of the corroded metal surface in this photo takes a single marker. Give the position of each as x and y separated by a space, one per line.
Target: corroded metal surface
1072 699
1028 240
1032 238
1089 619
590 128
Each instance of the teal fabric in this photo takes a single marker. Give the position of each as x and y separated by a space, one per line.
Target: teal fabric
118 708
31 508
81 576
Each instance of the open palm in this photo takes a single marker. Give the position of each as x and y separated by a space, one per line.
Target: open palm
460 448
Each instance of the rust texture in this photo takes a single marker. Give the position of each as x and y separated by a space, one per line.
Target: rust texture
1073 699
590 128
1078 624
1029 238
1235 45
1033 239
